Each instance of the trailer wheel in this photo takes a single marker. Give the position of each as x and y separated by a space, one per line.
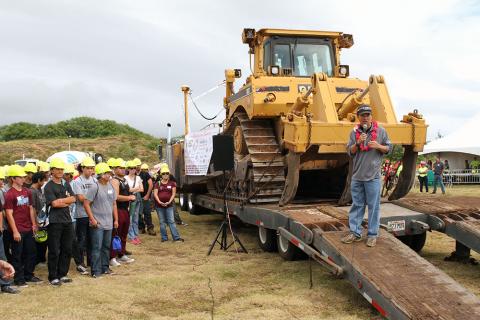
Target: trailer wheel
415 241
286 249
418 241
192 207
183 200
267 239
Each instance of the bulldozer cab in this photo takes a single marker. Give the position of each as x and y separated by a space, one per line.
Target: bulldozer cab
298 56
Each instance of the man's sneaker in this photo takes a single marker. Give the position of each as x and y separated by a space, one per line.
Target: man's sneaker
65 280
21 284
142 231
9 289
126 259
151 232
114 262
96 276
108 272
82 270
371 241
34 280
56 283
179 240
349 238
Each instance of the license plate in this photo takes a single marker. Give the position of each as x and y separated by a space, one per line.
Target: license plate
396 225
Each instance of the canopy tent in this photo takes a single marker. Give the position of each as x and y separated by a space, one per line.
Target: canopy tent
463 140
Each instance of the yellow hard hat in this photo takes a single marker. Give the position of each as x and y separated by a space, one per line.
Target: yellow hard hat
44 166
144 166
16 171
137 161
164 169
87 162
30 167
120 163
112 162
131 164
57 163
102 168
2 173
69 168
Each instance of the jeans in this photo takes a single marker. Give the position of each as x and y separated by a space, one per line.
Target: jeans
423 182
365 193
145 217
133 230
122 231
82 232
100 240
3 283
438 179
59 249
165 216
24 256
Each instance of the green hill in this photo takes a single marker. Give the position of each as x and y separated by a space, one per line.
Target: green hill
107 137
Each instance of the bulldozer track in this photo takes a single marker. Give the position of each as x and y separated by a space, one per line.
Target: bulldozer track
266 179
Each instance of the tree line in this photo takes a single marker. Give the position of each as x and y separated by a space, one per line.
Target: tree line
80 127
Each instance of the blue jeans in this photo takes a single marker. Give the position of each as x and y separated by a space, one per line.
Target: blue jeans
165 216
133 229
365 193
438 179
3 283
100 240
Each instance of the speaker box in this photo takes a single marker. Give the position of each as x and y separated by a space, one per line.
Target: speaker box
223 152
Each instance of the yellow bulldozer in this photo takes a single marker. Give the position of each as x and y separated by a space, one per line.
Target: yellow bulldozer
292 118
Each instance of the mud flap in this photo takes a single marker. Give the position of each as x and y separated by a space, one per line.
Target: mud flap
407 176
293 173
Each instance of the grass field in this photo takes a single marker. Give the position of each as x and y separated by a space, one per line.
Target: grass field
178 281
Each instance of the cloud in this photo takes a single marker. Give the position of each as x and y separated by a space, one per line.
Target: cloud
126 60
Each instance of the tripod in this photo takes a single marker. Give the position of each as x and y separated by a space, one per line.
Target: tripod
223 230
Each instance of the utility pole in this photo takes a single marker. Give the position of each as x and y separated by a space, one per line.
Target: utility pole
186 91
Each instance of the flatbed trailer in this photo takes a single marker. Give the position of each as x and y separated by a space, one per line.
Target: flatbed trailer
457 217
391 277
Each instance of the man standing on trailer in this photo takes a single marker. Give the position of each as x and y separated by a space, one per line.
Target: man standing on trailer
367 145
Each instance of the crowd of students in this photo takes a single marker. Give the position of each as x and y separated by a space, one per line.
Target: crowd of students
89 213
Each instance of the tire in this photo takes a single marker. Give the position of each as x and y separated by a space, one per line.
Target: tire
267 239
286 249
183 201
415 241
418 241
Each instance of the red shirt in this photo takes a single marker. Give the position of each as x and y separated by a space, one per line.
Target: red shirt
20 202
165 191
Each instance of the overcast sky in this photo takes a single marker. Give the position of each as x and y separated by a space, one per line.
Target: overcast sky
126 60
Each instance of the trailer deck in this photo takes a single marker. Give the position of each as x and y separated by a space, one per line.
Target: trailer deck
393 278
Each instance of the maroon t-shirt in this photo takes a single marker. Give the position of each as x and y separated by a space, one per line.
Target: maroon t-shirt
164 191
20 202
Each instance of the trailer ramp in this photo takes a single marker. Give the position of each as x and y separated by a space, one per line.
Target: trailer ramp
397 281
457 217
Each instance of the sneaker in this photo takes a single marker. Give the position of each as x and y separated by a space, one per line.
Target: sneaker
142 231
179 239
126 259
96 276
108 272
138 240
134 241
151 232
371 242
349 238
9 289
184 224
34 280
114 263
82 270
163 240
65 279
56 283
20 284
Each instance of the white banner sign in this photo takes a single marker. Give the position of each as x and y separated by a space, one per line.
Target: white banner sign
198 151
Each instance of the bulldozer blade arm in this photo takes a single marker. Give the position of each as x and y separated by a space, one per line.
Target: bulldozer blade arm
291 183
346 197
407 176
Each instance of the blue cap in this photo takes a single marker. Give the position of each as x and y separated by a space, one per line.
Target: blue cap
363 108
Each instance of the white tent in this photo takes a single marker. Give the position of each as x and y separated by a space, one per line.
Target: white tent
461 145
